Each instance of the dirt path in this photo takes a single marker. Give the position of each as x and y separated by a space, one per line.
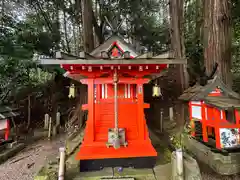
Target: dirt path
27 163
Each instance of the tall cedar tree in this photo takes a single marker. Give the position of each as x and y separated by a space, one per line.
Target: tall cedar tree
177 39
217 38
87 18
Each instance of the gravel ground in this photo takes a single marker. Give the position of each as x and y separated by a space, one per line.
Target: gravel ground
27 163
209 174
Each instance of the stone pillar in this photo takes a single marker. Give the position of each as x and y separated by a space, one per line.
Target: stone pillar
171 113
58 122
50 128
54 130
58 118
46 121
61 170
177 165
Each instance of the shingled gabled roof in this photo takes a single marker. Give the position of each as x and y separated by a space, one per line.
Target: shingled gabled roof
222 102
8 112
109 43
198 92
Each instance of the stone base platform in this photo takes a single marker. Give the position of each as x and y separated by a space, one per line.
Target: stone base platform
224 164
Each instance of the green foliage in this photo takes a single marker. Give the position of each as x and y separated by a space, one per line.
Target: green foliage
176 141
40 30
143 21
18 42
193 41
236 45
236 36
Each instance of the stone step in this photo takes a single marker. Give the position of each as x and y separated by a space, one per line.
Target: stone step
114 173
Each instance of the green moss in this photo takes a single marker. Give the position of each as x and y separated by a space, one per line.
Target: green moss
176 141
42 171
47 173
41 178
167 155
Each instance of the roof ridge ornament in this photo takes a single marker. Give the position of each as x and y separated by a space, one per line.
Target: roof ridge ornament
114 29
202 77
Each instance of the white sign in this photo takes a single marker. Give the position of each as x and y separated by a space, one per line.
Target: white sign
3 124
197 112
229 137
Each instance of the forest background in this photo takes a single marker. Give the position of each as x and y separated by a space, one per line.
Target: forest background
203 31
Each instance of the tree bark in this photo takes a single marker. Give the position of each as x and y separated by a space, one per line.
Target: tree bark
177 39
217 38
2 12
87 18
78 19
68 49
98 29
179 73
199 20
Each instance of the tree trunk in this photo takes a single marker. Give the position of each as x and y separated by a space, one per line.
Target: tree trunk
217 38
176 10
199 20
56 29
87 18
68 49
177 40
78 19
76 47
2 12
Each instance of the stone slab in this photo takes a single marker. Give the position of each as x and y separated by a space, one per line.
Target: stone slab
3 148
191 168
72 162
221 164
138 174
72 166
95 175
108 173
15 147
50 170
163 172
11 152
11 145
73 144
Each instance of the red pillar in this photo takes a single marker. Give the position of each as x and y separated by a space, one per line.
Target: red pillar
89 137
204 123
7 131
217 137
141 106
140 111
217 119
191 120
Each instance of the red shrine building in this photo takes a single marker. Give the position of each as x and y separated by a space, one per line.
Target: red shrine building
116 133
214 114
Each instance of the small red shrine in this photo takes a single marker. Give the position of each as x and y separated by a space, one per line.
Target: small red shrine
7 115
214 113
116 133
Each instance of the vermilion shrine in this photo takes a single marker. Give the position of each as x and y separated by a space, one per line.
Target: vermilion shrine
116 133
214 114
6 117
